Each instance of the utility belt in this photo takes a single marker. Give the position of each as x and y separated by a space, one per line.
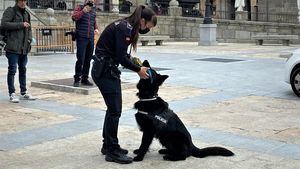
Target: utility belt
104 66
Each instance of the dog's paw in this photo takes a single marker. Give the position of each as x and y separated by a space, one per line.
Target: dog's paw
138 158
136 151
163 151
167 158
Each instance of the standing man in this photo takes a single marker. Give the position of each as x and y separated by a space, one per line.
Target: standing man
16 23
86 27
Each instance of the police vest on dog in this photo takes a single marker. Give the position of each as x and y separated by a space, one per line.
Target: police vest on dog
159 119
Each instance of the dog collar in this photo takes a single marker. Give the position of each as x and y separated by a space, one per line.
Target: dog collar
142 112
151 99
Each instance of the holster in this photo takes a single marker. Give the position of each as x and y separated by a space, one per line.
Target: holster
114 71
99 65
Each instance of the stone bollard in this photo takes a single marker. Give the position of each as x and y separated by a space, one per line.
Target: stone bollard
50 19
174 9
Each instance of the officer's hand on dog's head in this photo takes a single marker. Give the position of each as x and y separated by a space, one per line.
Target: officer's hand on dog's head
143 73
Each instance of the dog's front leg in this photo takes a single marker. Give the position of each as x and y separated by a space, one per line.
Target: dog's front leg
146 141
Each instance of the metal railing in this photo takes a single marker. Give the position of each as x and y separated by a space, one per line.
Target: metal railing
54 4
188 12
52 39
161 8
274 17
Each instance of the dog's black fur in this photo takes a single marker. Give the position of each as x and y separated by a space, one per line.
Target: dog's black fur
165 125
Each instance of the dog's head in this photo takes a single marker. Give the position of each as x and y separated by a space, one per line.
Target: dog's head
148 88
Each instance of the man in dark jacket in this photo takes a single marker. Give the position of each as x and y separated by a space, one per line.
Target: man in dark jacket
86 27
16 22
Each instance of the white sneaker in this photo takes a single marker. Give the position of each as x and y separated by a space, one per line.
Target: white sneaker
27 96
13 98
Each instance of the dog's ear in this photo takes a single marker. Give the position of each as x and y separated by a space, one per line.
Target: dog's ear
161 79
146 63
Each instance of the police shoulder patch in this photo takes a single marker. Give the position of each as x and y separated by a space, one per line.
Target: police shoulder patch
129 26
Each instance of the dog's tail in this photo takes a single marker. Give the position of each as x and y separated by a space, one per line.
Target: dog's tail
211 151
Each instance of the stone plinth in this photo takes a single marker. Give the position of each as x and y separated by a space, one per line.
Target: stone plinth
208 35
241 15
65 85
175 11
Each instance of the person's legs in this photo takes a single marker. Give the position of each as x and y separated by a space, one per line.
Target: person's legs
12 68
22 62
111 90
81 44
87 61
111 123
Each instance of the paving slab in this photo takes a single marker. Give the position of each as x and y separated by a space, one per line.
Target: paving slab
82 151
15 118
248 115
95 100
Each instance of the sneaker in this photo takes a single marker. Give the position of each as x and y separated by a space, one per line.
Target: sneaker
13 98
117 157
121 150
86 82
27 96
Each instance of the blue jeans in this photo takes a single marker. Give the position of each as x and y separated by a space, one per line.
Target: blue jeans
13 61
85 49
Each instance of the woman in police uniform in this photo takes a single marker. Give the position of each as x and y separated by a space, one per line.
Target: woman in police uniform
111 50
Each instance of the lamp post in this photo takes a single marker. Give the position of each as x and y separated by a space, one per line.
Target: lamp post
208 12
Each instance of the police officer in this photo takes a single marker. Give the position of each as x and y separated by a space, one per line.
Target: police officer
111 50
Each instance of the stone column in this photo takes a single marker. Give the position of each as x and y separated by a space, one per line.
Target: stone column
174 9
298 4
115 6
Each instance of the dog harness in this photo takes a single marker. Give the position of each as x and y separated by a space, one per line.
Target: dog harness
159 118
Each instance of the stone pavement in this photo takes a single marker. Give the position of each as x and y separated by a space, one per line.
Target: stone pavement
230 95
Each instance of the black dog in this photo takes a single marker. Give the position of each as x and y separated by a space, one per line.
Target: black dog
156 119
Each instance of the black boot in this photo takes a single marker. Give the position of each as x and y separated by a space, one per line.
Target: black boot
117 157
76 82
121 150
86 82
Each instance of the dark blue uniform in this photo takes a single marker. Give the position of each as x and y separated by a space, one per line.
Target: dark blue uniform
112 45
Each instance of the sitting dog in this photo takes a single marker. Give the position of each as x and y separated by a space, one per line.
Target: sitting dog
156 119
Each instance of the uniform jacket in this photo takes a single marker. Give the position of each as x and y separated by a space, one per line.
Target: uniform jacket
114 42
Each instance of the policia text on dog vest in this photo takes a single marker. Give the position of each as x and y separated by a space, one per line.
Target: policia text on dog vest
159 118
